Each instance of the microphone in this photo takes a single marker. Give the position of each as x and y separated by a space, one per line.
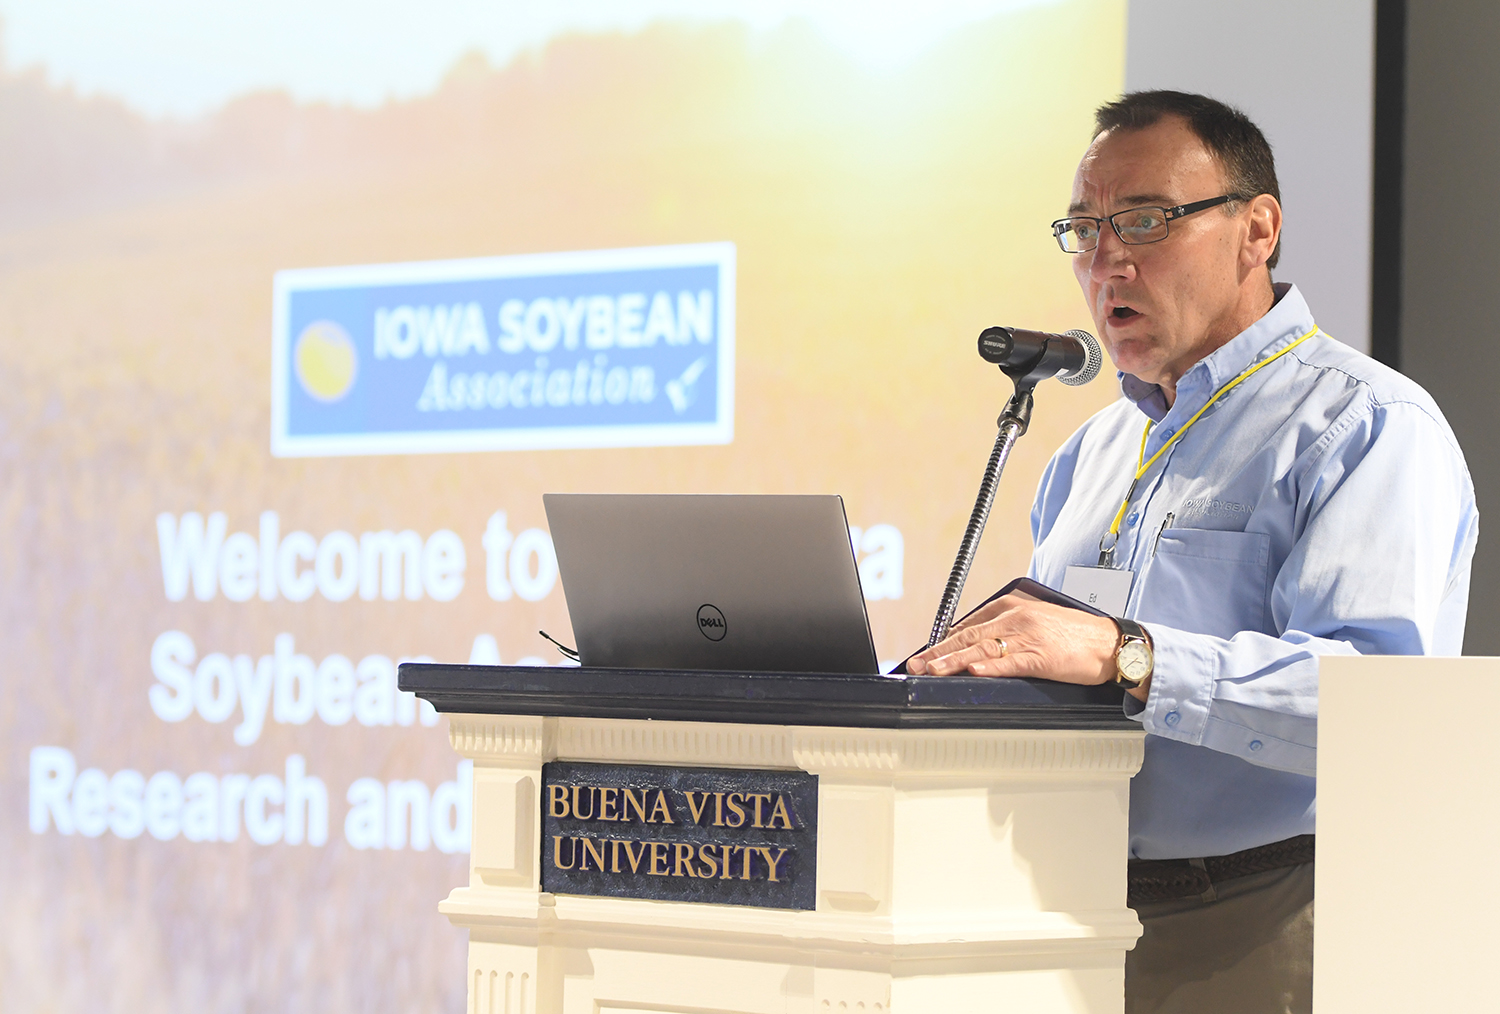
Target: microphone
1033 356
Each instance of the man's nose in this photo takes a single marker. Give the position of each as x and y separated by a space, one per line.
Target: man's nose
1112 257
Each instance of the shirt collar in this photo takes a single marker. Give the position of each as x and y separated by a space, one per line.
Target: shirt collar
1288 319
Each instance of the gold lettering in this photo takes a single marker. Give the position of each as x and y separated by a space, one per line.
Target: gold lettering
704 856
606 800
718 809
736 809
684 855
639 802
588 790
590 848
760 798
559 794
557 841
749 853
634 856
660 807
697 807
727 851
614 855
779 812
771 860
657 858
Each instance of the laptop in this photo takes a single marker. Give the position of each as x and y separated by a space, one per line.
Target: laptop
744 583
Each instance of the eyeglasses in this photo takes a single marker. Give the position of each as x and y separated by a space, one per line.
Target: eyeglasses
1136 226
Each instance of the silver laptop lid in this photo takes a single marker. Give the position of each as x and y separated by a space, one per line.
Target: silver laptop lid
754 583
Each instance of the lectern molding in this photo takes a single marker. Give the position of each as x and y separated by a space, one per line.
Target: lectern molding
669 742
647 923
491 738
945 751
495 738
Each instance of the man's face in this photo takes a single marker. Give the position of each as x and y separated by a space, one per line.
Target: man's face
1160 307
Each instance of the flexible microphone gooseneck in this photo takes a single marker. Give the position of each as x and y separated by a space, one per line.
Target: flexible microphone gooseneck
1027 358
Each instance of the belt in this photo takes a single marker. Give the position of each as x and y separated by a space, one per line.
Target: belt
1165 879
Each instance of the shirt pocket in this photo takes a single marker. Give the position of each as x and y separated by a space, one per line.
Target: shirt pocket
1207 582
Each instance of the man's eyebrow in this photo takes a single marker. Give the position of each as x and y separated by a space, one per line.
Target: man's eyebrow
1129 201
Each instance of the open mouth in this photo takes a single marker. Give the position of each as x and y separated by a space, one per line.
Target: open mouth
1123 313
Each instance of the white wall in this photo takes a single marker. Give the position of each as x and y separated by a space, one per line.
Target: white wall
1304 72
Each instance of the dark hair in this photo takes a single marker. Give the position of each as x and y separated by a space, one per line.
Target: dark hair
1238 144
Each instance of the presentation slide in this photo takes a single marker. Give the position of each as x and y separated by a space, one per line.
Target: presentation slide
303 307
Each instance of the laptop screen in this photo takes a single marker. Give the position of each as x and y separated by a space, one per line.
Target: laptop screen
748 583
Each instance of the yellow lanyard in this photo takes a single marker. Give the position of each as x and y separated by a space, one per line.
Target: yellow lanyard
1112 537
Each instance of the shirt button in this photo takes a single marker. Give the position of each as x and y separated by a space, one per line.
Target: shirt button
1166 434
1134 517
1173 718
1256 744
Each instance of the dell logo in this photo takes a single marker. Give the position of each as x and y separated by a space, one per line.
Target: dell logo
711 622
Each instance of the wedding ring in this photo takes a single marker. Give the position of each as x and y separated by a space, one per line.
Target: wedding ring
1004 648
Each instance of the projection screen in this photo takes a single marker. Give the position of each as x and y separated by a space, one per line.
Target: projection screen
302 309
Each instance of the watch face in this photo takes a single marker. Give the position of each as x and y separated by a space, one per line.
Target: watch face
1134 660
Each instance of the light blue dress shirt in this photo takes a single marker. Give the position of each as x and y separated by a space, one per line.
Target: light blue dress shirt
1321 507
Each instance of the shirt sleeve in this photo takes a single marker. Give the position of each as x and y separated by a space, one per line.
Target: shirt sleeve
1386 527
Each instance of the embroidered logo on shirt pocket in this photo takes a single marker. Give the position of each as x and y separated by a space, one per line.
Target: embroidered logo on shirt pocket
1208 582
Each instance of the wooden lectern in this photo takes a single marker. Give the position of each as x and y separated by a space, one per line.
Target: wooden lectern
679 842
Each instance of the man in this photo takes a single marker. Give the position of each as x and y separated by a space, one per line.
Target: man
1289 498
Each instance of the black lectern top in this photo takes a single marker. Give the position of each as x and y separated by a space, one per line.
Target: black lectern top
766 698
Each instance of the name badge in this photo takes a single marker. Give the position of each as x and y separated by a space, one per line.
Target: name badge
1104 588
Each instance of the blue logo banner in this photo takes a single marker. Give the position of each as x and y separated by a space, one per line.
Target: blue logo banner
606 348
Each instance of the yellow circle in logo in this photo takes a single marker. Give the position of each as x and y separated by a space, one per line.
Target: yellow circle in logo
326 361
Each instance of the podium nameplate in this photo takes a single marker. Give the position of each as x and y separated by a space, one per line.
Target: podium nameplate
721 836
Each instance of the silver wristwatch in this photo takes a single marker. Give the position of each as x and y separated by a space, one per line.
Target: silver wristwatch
1134 659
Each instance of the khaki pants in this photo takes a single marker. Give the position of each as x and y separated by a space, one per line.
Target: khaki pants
1248 951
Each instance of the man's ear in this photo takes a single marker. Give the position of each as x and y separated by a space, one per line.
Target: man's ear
1264 232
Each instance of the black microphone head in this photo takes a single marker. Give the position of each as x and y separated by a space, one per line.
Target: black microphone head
996 344
1093 359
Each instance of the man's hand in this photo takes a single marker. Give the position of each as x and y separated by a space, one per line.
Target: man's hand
1041 640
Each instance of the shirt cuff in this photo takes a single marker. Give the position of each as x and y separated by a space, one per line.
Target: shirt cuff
1182 685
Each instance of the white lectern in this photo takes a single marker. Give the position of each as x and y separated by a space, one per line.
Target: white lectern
755 842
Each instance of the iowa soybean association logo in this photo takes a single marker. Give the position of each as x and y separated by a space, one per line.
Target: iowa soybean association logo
588 348
325 361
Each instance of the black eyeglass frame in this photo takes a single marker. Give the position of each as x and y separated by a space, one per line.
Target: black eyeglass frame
1168 215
